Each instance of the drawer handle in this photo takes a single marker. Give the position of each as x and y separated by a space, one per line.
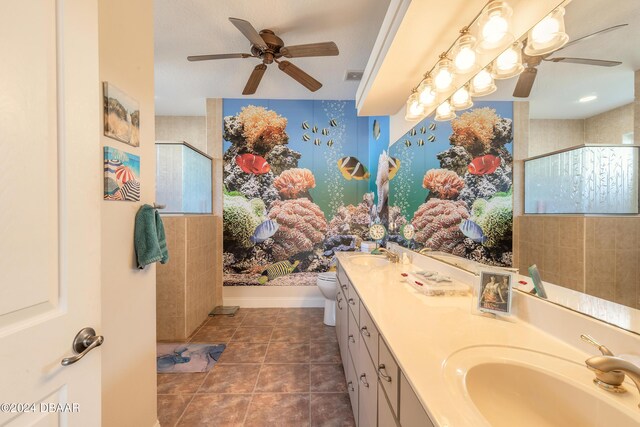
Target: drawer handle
350 386
338 302
363 380
365 332
343 286
383 375
351 301
351 338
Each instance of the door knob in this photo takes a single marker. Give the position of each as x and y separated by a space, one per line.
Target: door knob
85 341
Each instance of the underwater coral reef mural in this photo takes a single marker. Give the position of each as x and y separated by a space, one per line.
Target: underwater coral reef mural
455 184
297 187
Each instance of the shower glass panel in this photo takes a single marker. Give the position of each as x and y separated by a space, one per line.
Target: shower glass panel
583 180
183 178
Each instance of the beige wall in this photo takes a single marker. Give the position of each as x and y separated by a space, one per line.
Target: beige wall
128 294
191 129
608 127
185 285
214 140
549 135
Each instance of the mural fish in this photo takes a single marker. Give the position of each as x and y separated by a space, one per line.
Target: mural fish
423 130
305 125
317 141
263 231
351 168
325 131
472 231
306 137
407 143
413 132
420 142
376 129
394 166
333 122
432 126
330 143
276 270
314 129
431 138
484 165
252 163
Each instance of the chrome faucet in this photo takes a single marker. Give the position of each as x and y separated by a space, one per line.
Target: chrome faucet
611 370
391 256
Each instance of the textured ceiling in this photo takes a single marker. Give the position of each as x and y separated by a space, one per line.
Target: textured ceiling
193 27
558 86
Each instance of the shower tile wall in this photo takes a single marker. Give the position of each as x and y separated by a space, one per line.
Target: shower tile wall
185 285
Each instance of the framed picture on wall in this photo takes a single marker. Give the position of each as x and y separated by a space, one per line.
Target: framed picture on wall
121 115
494 295
121 175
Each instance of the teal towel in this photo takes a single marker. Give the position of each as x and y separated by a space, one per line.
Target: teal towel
149 239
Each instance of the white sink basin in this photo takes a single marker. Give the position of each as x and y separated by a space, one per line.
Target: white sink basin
508 386
370 260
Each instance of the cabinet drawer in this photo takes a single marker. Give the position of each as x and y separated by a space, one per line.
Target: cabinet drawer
385 413
353 300
369 333
389 375
353 337
342 325
412 414
368 389
343 284
342 276
352 386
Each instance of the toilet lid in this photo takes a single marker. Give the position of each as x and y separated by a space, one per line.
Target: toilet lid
327 277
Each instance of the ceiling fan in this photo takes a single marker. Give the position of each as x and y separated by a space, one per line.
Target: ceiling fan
270 48
528 76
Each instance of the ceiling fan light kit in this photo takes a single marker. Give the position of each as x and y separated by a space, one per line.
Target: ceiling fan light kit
457 68
269 48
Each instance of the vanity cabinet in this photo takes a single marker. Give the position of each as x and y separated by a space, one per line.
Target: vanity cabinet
379 392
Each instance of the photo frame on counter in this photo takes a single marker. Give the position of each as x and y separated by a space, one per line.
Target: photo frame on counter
495 292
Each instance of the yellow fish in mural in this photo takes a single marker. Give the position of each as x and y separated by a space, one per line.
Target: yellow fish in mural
394 166
351 168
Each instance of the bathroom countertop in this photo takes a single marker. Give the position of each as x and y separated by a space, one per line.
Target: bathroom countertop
423 332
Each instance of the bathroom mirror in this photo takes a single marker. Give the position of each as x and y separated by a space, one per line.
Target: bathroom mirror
592 261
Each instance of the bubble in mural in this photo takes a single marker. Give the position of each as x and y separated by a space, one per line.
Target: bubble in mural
332 176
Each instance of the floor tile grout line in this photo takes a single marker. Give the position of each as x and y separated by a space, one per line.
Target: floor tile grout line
185 410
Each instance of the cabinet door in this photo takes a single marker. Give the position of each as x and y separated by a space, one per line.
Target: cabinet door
385 413
389 373
353 337
352 386
412 414
343 316
368 389
369 333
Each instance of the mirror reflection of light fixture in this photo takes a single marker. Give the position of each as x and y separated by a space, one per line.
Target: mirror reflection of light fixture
509 63
461 100
482 84
494 26
415 110
547 35
426 92
443 74
445 112
464 55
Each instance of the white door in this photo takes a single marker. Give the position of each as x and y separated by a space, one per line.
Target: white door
50 191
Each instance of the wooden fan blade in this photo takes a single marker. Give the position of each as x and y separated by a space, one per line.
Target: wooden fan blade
586 61
218 56
589 36
525 83
254 79
300 76
311 49
249 32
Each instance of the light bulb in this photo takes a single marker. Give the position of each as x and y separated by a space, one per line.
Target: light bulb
461 100
444 75
494 26
547 35
464 55
445 112
426 93
509 63
482 84
415 110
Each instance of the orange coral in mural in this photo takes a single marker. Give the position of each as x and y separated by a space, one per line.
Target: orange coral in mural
293 183
263 129
443 183
474 130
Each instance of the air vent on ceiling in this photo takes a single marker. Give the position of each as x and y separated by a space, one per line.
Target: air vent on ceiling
353 75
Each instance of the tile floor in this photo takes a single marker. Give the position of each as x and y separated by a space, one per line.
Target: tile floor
281 368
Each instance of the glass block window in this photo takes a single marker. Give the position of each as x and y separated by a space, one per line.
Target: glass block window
583 180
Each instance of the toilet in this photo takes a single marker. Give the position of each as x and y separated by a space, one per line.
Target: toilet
328 285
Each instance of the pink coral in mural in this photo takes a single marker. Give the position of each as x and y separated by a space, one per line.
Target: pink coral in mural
352 220
474 130
294 183
437 223
262 129
302 226
443 183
